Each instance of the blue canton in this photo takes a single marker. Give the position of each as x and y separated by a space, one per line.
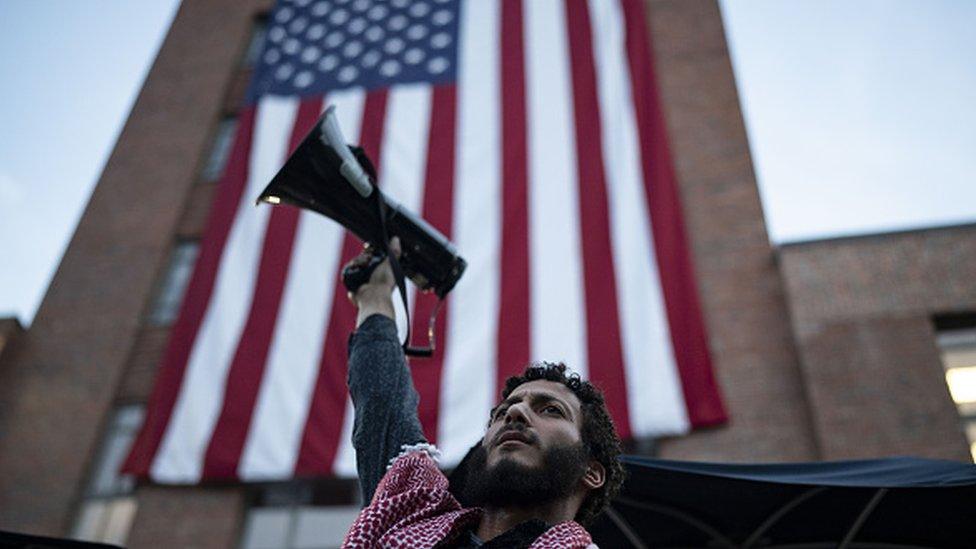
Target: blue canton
317 46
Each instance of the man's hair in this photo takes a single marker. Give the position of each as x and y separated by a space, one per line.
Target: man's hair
597 432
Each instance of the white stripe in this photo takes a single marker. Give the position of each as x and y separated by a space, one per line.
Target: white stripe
180 456
654 395
345 460
401 176
404 162
353 102
285 396
470 353
557 309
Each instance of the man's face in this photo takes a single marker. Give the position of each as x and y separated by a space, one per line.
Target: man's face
532 452
537 417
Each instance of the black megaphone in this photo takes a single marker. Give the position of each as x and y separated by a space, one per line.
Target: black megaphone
329 177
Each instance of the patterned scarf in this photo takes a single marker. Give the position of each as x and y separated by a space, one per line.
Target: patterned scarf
412 508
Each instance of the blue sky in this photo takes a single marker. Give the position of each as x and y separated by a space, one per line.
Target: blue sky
860 116
70 71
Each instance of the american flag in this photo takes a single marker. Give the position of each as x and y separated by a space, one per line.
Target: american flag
527 131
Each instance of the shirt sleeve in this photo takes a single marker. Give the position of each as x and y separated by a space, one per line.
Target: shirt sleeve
384 399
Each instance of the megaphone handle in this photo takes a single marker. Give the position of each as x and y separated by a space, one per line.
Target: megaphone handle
354 276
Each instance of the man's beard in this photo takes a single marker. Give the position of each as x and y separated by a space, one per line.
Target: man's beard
510 483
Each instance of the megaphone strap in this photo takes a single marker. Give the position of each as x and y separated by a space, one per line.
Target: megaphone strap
401 284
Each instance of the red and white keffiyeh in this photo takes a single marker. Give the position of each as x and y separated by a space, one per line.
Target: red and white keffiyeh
412 508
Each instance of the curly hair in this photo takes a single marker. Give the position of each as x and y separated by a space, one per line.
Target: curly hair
598 433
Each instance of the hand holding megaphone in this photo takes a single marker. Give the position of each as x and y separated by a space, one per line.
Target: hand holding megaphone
368 276
327 176
370 281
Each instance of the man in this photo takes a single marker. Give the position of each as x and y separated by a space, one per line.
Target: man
547 462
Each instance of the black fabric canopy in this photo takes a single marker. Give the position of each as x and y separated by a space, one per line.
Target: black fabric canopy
895 502
13 540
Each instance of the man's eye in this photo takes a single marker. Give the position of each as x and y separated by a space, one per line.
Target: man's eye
551 408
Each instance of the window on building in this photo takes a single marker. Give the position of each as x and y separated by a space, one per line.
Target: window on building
169 295
959 359
254 46
642 446
10 328
220 150
301 515
108 505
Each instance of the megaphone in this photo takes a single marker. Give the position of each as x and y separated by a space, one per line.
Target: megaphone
327 176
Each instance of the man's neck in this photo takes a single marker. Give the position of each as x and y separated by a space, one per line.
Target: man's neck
497 521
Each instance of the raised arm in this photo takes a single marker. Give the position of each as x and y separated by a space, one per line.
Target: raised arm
380 385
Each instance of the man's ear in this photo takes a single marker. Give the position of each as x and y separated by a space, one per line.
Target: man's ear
595 475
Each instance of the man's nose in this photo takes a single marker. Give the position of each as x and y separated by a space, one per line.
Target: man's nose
516 412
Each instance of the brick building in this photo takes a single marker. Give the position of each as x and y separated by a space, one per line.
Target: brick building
824 350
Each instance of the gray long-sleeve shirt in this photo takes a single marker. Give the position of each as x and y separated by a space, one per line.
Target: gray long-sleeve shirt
384 399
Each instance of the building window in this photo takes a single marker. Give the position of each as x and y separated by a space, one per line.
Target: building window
108 506
301 515
10 328
169 296
959 359
256 44
642 446
220 150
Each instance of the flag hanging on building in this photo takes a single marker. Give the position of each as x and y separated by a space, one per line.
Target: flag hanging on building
528 132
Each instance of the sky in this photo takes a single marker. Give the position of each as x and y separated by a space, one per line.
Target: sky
860 116
70 71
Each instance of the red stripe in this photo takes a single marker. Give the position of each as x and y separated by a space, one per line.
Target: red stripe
671 245
184 331
247 368
604 351
323 428
513 316
438 209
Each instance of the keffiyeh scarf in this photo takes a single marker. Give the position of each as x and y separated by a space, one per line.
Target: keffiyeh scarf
412 508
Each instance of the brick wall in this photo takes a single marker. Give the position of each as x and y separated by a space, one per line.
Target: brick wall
197 518
741 289
60 380
862 314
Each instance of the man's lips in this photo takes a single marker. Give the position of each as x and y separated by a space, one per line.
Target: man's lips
509 436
